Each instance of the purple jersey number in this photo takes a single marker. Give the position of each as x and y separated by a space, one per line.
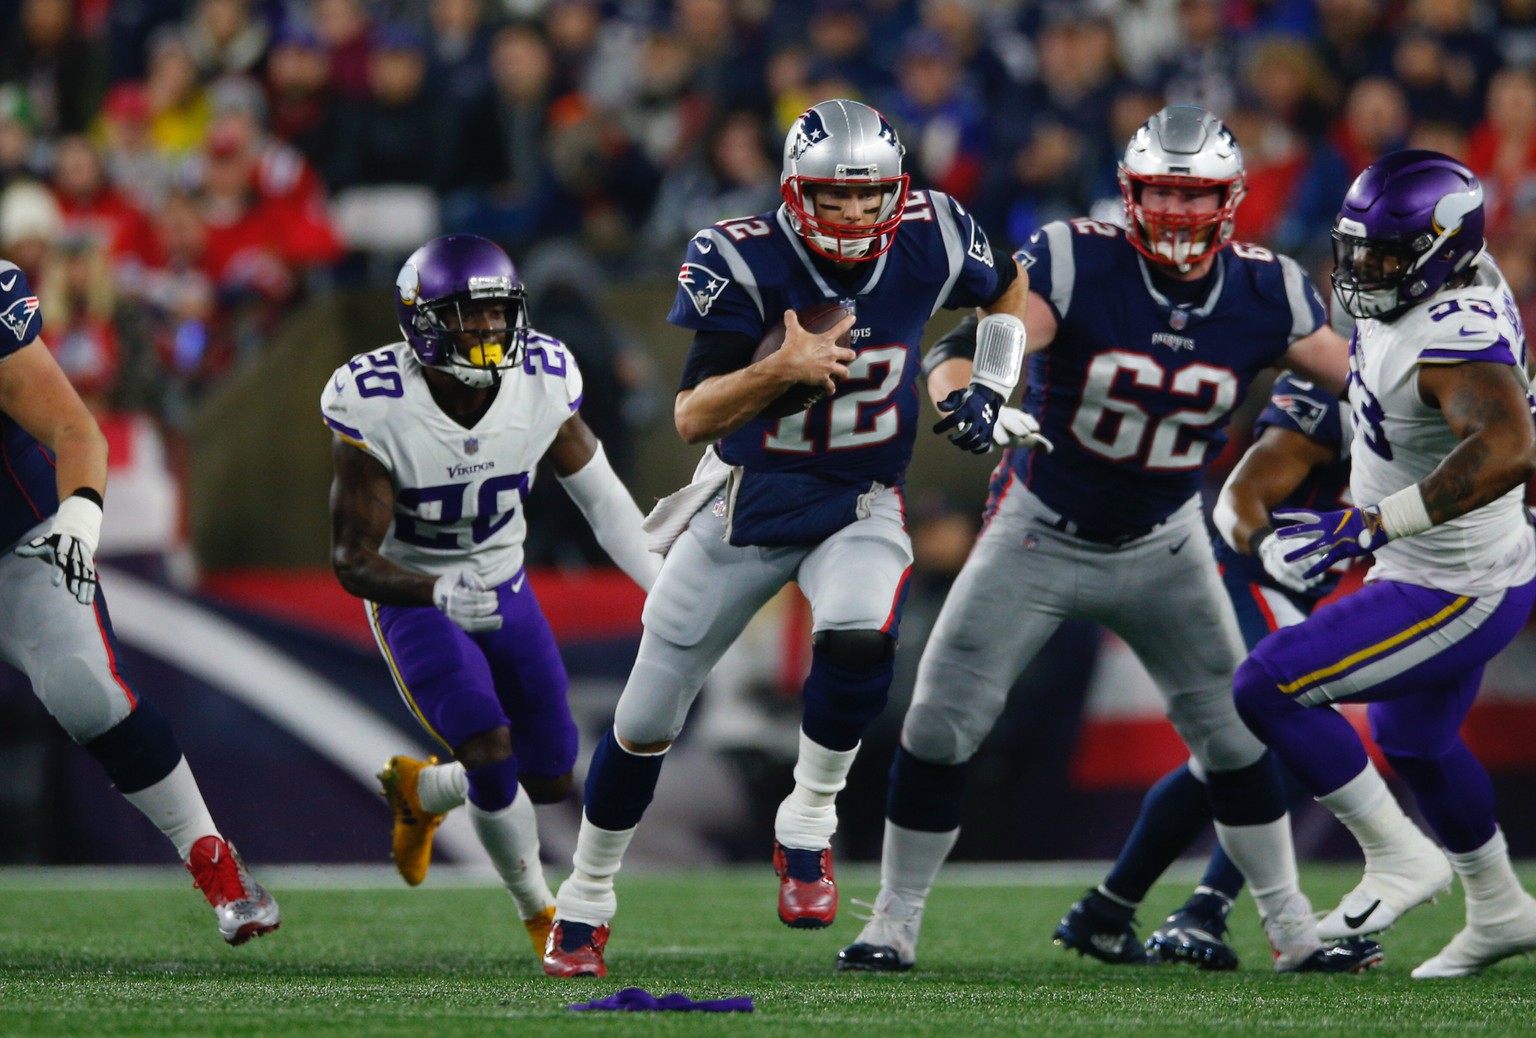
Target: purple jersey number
449 499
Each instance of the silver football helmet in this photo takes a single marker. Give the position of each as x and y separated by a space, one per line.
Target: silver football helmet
1182 146
842 143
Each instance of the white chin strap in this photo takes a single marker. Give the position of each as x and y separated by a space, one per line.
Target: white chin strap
474 378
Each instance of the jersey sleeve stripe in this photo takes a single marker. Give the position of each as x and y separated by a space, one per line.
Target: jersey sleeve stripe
1302 322
740 272
1058 239
576 404
346 432
1498 352
954 250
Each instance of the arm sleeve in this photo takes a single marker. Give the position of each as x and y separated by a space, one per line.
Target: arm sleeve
614 517
715 353
959 341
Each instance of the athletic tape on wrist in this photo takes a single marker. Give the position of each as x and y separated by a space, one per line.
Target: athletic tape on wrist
999 353
1403 514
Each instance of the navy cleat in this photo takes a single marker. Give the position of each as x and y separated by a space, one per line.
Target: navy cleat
1355 955
888 942
1099 927
1195 934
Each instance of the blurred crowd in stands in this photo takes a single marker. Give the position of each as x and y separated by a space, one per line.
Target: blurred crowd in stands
177 173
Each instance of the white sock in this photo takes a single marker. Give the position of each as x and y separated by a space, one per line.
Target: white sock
175 805
587 895
511 837
910 860
1493 890
1369 810
1267 859
442 787
807 818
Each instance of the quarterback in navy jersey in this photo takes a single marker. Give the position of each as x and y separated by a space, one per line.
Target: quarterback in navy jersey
813 497
1299 459
1140 344
54 624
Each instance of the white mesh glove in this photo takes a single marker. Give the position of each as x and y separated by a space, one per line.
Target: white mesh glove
1018 430
1272 552
69 547
462 597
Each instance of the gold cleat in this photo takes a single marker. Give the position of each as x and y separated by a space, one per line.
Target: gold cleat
538 929
412 844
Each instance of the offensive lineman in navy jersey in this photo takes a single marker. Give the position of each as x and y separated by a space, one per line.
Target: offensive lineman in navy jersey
1299 459
1141 343
54 624
814 497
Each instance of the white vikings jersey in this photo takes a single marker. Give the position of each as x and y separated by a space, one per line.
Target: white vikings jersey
458 491
1399 439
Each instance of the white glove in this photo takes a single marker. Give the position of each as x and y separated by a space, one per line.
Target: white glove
69 547
462 597
1272 552
1018 430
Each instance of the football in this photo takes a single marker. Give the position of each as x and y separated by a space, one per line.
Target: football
798 397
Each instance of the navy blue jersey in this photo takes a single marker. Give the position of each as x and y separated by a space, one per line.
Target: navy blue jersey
28 493
1303 408
741 275
1136 389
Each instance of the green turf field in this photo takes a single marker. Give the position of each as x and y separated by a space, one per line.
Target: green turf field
141 957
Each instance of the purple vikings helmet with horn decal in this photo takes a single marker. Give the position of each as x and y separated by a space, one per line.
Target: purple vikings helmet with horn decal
437 285
1411 222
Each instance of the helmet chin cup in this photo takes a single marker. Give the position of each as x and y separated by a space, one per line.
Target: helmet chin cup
473 377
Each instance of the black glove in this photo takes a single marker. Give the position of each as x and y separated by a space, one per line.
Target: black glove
969 415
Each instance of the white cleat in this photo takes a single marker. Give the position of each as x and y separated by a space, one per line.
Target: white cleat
888 942
1481 945
1292 933
1389 888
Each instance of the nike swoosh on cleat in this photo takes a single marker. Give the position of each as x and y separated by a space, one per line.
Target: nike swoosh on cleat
1178 547
1354 922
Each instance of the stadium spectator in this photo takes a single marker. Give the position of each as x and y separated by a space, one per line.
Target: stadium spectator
134 163
1203 69
301 108
393 136
1353 41
225 37
1375 121
734 175
458 51
48 59
94 207
1502 147
343 27
940 116
179 107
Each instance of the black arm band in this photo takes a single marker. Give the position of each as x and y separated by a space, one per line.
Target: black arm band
90 494
960 342
1007 274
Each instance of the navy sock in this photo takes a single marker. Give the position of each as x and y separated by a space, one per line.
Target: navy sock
494 786
620 785
926 797
841 701
1176 809
1248 796
138 751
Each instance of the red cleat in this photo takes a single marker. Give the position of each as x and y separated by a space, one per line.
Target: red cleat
575 950
807 891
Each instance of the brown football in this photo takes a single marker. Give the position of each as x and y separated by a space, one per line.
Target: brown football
800 396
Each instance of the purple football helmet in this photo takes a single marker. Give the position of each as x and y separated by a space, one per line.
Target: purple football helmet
1410 223
437 285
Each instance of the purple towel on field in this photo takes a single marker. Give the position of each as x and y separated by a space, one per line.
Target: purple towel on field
637 1000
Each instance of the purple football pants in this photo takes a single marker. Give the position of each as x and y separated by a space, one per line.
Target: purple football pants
1417 656
458 685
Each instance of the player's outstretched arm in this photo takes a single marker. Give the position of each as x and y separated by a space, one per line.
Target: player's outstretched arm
1322 357
1277 463
581 466
35 392
1487 408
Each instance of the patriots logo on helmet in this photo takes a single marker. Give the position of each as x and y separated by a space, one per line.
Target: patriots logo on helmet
18 316
702 285
812 131
1304 411
887 134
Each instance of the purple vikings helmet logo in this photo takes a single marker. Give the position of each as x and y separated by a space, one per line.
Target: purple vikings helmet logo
1411 223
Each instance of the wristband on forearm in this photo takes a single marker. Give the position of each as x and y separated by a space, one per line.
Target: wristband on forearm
1404 514
999 353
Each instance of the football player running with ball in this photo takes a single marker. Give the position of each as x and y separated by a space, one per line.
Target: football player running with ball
1141 343
1444 445
435 445
813 497
54 624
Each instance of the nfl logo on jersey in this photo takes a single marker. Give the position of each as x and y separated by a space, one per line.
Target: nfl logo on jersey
472 445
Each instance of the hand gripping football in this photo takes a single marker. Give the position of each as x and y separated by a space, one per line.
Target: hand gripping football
798 397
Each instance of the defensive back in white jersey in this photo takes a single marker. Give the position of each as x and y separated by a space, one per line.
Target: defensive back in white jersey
459 491
1399 439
